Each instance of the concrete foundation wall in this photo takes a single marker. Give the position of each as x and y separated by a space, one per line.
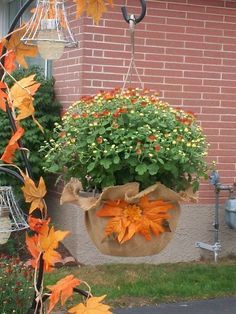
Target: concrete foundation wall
195 225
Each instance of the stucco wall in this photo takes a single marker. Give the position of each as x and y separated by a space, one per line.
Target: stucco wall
195 225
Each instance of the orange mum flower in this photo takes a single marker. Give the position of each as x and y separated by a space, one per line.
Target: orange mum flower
128 219
152 137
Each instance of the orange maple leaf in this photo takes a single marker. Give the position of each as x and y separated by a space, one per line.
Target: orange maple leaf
23 89
62 289
38 225
45 244
33 194
94 8
129 219
3 96
49 243
12 146
21 96
2 44
92 306
32 245
80 7
9 62
20 49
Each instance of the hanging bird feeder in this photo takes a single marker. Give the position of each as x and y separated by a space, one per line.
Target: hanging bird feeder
11 216
49 29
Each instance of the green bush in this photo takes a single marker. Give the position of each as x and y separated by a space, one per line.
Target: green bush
47 112
16 289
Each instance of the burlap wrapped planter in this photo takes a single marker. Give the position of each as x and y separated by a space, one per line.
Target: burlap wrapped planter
137 245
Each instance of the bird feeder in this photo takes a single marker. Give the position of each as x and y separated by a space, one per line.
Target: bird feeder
49 29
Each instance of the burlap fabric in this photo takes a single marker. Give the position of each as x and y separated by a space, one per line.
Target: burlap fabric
137 245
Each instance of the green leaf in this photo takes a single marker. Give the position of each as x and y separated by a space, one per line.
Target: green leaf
153 169
91 166
54 168
141 169
161 161
106 163
126 155
133 161
116 160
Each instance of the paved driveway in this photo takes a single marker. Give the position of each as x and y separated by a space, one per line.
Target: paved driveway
214 306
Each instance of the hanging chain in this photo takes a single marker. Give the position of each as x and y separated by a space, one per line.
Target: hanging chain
132 66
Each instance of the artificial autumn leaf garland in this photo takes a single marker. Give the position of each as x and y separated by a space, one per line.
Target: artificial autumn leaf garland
44 242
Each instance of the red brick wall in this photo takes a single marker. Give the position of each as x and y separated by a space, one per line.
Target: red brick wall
185 49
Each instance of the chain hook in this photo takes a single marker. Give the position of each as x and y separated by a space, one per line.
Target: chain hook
132 17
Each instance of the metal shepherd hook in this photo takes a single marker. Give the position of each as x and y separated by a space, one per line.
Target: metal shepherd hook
130 17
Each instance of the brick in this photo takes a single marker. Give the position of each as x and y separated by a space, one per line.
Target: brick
165 72
168 13
222 11
171 94
163 43
230 4
165 28
203 60
183 66
202 103
185 22
185 37
189 8
228 103
203 75
218 68
184 52
205 31
183 81
201 89
204 17
214 3
203 46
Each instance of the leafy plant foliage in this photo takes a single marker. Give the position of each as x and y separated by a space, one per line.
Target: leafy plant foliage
115 138
47 112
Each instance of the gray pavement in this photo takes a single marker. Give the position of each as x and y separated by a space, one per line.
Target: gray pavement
213 306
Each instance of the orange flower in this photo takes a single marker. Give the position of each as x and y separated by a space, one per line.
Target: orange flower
157 148
152 137
75 115
119 111
100 140
143 104
96 115
84 115
108 96
105 113
128 219
138 151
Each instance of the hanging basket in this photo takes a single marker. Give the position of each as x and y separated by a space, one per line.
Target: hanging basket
138 244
